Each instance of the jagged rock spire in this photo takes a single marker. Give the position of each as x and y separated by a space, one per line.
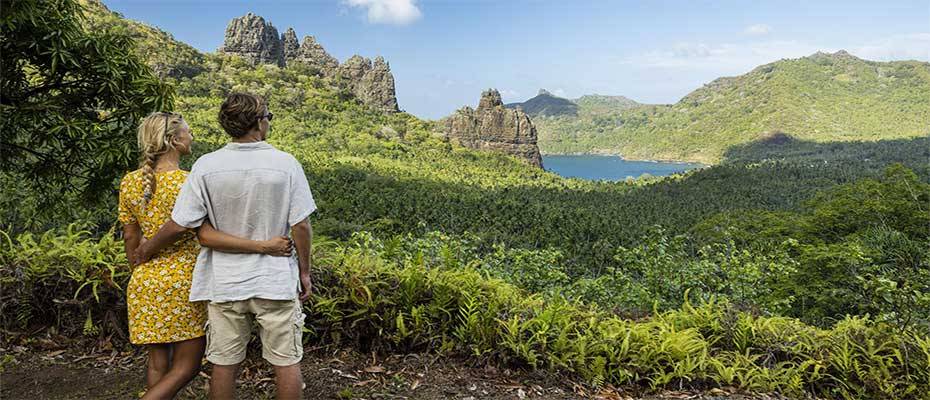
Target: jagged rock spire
253 39
490 98
257 41
290 44
491 126
314 54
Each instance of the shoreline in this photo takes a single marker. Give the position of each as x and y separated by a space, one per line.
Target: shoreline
620 156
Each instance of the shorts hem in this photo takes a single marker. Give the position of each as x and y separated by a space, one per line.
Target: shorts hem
281 361
217 360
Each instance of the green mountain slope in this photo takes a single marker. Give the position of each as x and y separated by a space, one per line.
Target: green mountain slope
389 174
823 97
417 236
598 103
167 56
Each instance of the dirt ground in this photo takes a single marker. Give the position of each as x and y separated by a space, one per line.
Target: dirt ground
82 373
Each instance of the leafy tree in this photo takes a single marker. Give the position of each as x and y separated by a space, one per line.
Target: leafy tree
70 101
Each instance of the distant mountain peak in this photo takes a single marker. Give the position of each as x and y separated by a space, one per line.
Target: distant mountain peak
841 54
545 103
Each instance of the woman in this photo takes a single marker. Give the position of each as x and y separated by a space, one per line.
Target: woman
160 315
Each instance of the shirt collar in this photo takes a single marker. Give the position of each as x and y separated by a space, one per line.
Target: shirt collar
248 146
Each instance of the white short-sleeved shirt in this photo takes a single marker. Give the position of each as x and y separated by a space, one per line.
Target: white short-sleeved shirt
253 191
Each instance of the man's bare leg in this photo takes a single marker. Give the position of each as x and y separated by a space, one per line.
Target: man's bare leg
223 382
289 382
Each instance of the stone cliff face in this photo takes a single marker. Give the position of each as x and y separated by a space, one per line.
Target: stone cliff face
491 126
253 39
291 45
373 83
258 42
313 53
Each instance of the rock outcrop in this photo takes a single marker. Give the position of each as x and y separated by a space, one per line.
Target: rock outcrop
491 126
291 45
254 39
314 54
372 83
258 42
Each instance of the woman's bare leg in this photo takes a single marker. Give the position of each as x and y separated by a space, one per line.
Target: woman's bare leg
185 364
158 363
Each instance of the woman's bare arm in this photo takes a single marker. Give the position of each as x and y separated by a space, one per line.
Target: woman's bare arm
132 236
217 240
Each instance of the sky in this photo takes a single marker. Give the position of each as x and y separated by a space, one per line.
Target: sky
444 53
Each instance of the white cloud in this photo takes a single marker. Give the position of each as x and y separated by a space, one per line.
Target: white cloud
509 94
721 57
758 29
393 12
915 46
735 58
559 92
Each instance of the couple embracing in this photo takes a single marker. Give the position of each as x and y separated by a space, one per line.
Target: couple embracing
211 251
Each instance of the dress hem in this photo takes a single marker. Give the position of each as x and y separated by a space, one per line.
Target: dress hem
166 342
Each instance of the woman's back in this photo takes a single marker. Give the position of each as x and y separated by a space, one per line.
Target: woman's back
157 296
158 210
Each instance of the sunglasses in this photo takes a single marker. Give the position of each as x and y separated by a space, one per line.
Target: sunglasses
269 116
168 116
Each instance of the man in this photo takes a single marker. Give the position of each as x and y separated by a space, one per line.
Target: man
252 190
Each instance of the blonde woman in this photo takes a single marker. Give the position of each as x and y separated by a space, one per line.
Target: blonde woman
160 314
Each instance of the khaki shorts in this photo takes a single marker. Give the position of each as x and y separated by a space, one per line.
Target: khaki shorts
229 328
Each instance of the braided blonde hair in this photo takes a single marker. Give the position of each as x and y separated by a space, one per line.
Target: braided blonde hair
155 138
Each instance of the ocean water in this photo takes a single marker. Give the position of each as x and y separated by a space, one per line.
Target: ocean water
612 168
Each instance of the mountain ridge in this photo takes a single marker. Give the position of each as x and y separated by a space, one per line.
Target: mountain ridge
821 97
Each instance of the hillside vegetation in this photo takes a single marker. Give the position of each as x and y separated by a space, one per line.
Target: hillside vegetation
820 98
793 265
166 56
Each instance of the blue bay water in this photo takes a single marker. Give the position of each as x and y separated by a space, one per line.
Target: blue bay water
612 168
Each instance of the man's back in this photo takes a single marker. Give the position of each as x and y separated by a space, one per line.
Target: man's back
250 190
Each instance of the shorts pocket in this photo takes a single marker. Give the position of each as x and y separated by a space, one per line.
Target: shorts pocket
299 318
209 335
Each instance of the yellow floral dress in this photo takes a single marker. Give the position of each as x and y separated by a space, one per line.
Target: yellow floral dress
158 291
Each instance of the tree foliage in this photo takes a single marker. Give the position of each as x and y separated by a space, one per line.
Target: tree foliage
70 100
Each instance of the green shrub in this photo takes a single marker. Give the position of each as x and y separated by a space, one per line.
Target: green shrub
64 278
366 300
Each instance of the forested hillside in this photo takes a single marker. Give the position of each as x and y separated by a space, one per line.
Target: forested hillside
821 98
797 264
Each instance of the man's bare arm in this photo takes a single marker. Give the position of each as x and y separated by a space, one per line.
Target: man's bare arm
169 233
303 237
